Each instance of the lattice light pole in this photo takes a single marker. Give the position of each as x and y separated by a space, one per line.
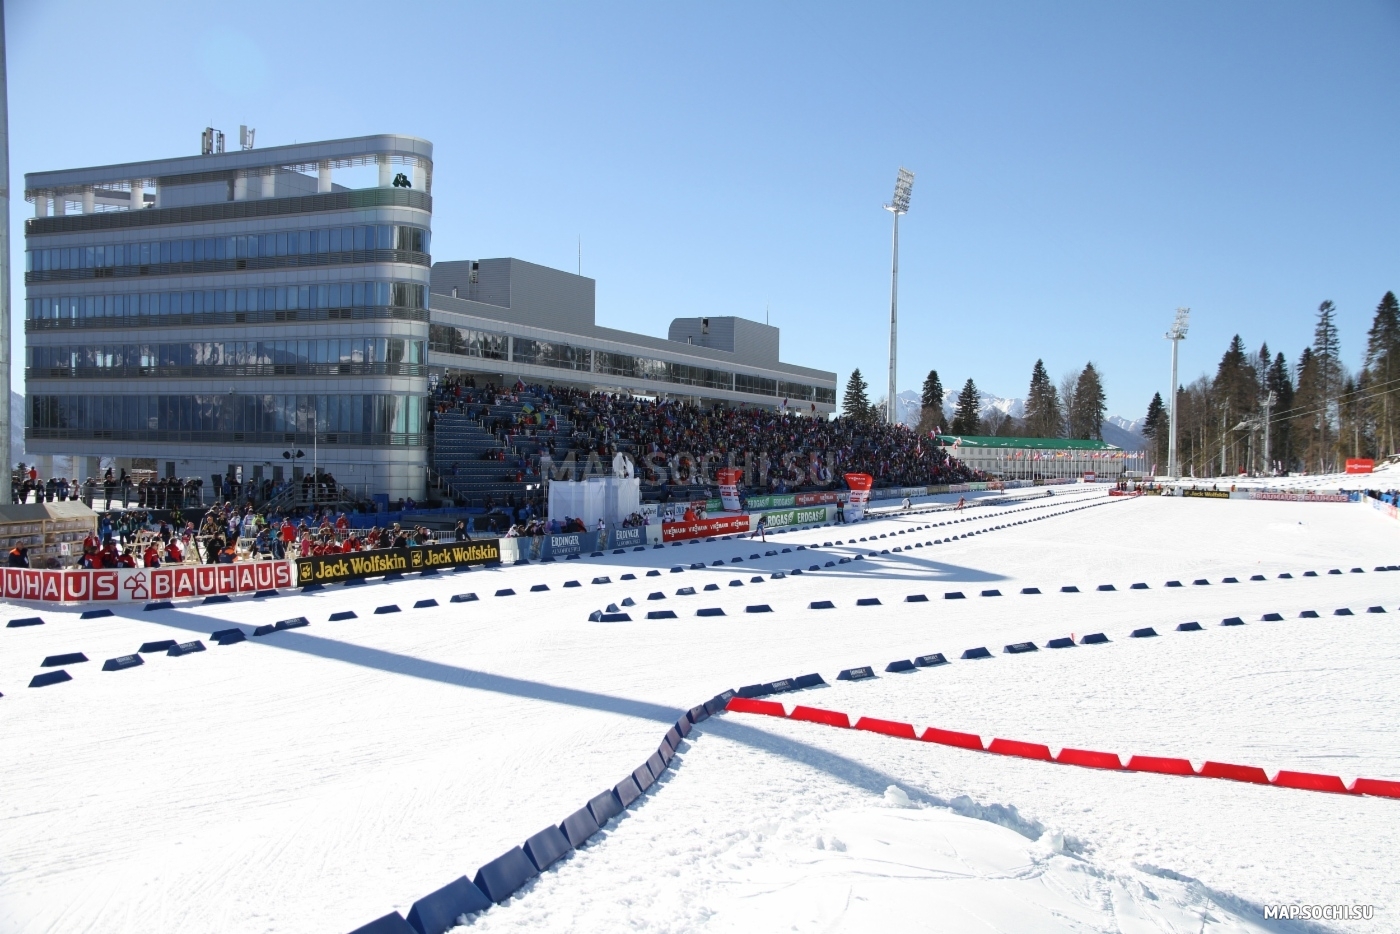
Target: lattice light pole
899 204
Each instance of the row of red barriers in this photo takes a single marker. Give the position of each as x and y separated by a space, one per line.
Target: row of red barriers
1086 758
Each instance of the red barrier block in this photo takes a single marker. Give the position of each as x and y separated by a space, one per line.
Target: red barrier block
1235 773
749 705
1014 747
887 727
1088 759
1162 766
1376 786
1310 781
817 715
952 738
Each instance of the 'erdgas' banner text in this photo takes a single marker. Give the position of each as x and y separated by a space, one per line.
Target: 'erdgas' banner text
860 484
729 487
332 569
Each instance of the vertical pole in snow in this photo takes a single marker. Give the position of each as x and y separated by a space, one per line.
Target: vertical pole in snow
894 320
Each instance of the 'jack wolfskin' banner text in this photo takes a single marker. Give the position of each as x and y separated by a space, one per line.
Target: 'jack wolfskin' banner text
331 569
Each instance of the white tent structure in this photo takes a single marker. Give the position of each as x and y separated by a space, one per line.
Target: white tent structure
609 498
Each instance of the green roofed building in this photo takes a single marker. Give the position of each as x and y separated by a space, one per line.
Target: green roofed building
1042 458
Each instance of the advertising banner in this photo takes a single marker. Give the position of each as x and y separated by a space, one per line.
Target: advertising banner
130 585
1300 497
333 569
1207 494
627 538
703 528
815 499
860 484
1360 465
811 516
729 478
570 543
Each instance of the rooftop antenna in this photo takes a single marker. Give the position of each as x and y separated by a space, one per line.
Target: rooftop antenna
245 136
211 141
580 254
899 204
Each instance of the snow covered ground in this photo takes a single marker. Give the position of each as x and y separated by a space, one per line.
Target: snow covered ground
312 780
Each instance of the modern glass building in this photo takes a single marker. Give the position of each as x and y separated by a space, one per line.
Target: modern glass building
213 312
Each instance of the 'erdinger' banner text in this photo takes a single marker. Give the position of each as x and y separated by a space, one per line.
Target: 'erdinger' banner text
332 569
136 585
860 484
728 478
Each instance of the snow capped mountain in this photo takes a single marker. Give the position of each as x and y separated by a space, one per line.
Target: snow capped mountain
1117 430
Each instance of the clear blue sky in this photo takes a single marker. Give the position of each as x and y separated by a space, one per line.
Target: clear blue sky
1083 169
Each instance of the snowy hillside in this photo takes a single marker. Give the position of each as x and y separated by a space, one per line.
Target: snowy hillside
1116 430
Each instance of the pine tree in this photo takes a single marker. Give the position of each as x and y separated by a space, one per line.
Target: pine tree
1086 417
1043 417
1327 359
1383 371
1155 428
1067 384
931 415
1236 391
966 420
1279 381
856 401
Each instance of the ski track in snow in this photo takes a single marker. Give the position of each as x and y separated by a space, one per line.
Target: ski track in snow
313 780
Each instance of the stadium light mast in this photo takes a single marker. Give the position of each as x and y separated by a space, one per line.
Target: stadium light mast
899 204
1176 335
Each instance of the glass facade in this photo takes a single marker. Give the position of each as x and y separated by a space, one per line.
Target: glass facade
551 353
102 310
222 416
466 342
321 246
335 356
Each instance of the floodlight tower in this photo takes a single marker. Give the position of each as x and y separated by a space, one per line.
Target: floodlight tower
1176 335
899 204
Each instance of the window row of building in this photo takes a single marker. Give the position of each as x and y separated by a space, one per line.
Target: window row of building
470 342
196 354
335 295
284 243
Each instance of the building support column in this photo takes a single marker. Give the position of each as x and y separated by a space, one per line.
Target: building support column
41 205
386 172
323 178
60 205
89 201
138 195
269 184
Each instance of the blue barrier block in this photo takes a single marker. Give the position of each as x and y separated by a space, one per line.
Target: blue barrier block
1173 583
1285 576
29 621
122 662
1272 617
1189 627
678 569
619 551
268 593
656 764
392 923
217 598
1309 573
259 631
856 674
354 582
758 608
991 593
343 614
666 754
868 601
439 911
505 875
537 588
787 551
1308 614
596 554
1358 571
654 573
930 661
1145 632
954 595
712 586
185 648
686 592
505 592
602 580
610 608
735 560
979 652
683 725
1229 580
672 737
381 610
628 577
1232 621
1107 587
628 601
463 598
1094 638
159 605
903 664
736 583
160 645
821 605
1334 571
756 580
547 847
661 614
1139 586
656 595
95 614
605 807
709 611
1257 577
425 604
755 690
430 572
57 661
700 565
1375 609
50 677
296 622
1342 612
572 584
795 572
643 777
814 568
579 827
777 576
1020 648
1030 590
615 618
1070 588
1063 642
393 576
228 636
807 681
